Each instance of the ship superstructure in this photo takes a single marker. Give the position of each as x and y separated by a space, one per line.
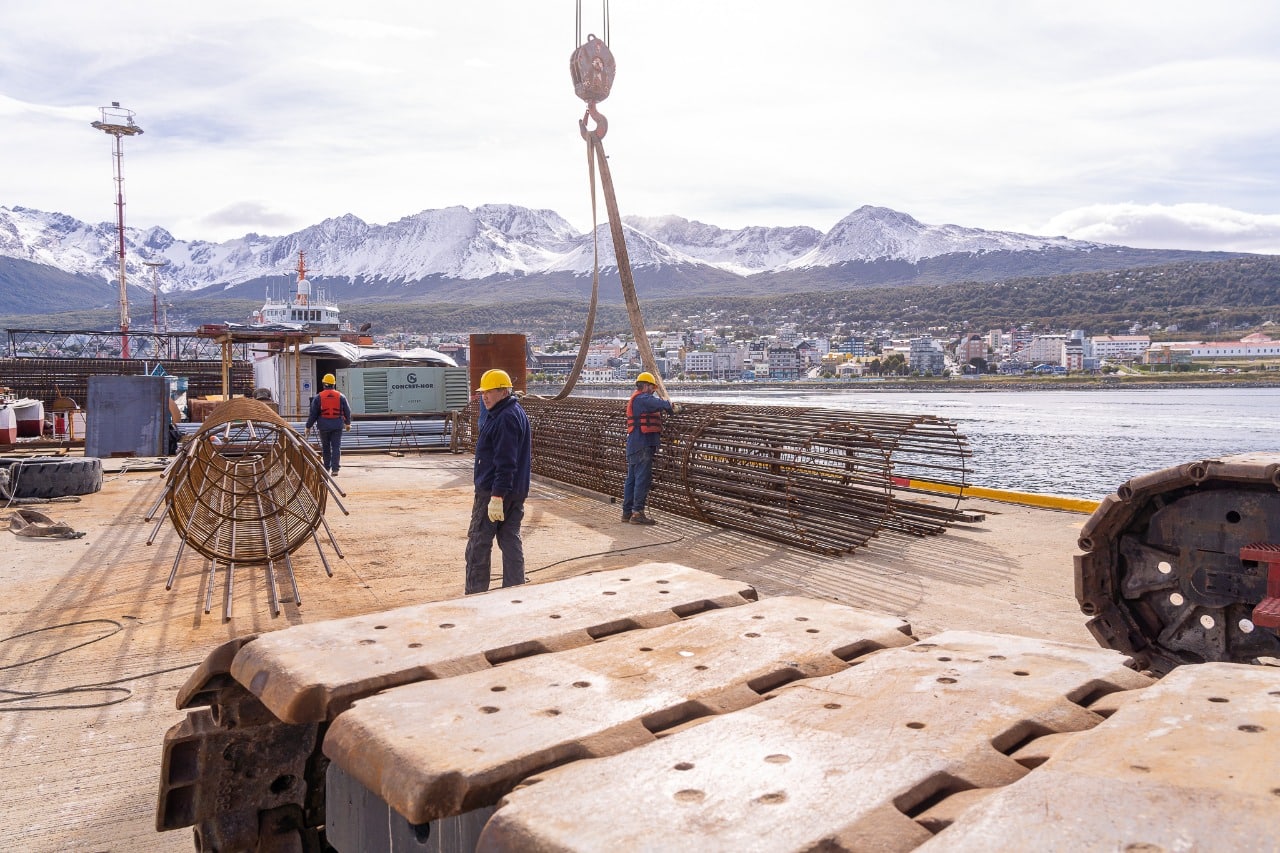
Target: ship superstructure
313 312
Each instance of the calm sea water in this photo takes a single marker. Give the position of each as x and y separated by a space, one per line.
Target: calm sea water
1075 443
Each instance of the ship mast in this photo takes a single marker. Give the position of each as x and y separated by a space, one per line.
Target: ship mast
303 295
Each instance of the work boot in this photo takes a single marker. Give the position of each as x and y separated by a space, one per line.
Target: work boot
641 518
626 516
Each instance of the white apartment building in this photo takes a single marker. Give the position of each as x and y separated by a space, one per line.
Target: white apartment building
1120 347
1229 349
1046 349
788 334
714 365
926 356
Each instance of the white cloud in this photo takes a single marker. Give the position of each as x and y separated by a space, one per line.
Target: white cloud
247 216
980 113
1177 226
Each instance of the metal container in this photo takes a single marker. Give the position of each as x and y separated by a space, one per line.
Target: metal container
507 352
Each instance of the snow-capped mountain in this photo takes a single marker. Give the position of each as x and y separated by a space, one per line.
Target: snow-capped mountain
492 240
878 233
744 251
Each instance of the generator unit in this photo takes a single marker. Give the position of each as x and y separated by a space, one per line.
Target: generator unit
404 390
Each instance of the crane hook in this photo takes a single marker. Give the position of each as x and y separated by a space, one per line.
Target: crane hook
602 124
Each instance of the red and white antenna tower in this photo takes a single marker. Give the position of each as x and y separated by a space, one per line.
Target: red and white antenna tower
118 122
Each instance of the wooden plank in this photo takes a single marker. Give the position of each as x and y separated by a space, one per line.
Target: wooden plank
1186 765
842 762
439 748
310 673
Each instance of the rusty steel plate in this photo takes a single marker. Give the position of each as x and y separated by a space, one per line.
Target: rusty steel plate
1192 763
438 748
310 673
848 761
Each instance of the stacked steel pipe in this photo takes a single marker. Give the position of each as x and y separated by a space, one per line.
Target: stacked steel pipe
821 479
246 489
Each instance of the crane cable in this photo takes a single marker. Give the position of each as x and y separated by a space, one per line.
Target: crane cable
592 67
577 31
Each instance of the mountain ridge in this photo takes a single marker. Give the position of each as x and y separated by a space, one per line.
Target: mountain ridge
480 254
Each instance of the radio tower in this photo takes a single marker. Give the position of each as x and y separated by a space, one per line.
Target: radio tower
118 122
155 297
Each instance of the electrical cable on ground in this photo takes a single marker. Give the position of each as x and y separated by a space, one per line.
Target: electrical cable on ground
15 696
601 554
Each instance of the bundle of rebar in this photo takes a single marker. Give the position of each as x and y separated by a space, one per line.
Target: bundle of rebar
246 489
49 378
822 479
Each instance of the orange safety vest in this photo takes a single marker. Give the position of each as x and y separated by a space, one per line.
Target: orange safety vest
330 403
645 421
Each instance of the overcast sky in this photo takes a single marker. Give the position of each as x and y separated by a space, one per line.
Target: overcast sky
1149 123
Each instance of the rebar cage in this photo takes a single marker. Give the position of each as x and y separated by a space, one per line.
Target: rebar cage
248 490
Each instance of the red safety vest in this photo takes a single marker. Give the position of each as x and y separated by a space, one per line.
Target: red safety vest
330 403
646 421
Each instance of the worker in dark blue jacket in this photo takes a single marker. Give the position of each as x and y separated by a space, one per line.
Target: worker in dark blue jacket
504 458
332 412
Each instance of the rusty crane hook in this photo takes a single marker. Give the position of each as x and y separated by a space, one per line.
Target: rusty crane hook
602 124
593 68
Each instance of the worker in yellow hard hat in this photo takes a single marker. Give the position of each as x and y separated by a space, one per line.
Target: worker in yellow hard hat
332 413
644 436
504 457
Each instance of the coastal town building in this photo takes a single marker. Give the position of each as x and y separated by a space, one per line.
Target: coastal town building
1166 354
714 364
783 363
1073 354
856 347
1249 348
926 357
1123 348
1046 349
971 347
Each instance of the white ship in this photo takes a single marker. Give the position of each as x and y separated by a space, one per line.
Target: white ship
316 313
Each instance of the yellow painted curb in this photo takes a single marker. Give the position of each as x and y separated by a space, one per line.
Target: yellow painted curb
1006 496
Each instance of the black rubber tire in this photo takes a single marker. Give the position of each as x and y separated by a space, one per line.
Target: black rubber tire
55 478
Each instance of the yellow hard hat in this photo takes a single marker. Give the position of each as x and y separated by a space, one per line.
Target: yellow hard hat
646 377
330 379
494 379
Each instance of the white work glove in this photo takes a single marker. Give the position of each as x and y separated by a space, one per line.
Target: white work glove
348 428
495 509
675 408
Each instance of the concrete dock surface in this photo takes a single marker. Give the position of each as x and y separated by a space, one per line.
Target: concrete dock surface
93 649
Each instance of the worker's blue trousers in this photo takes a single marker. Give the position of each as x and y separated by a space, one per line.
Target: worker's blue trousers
635 491
331 448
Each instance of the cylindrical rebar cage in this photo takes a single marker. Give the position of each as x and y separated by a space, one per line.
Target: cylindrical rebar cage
246 488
